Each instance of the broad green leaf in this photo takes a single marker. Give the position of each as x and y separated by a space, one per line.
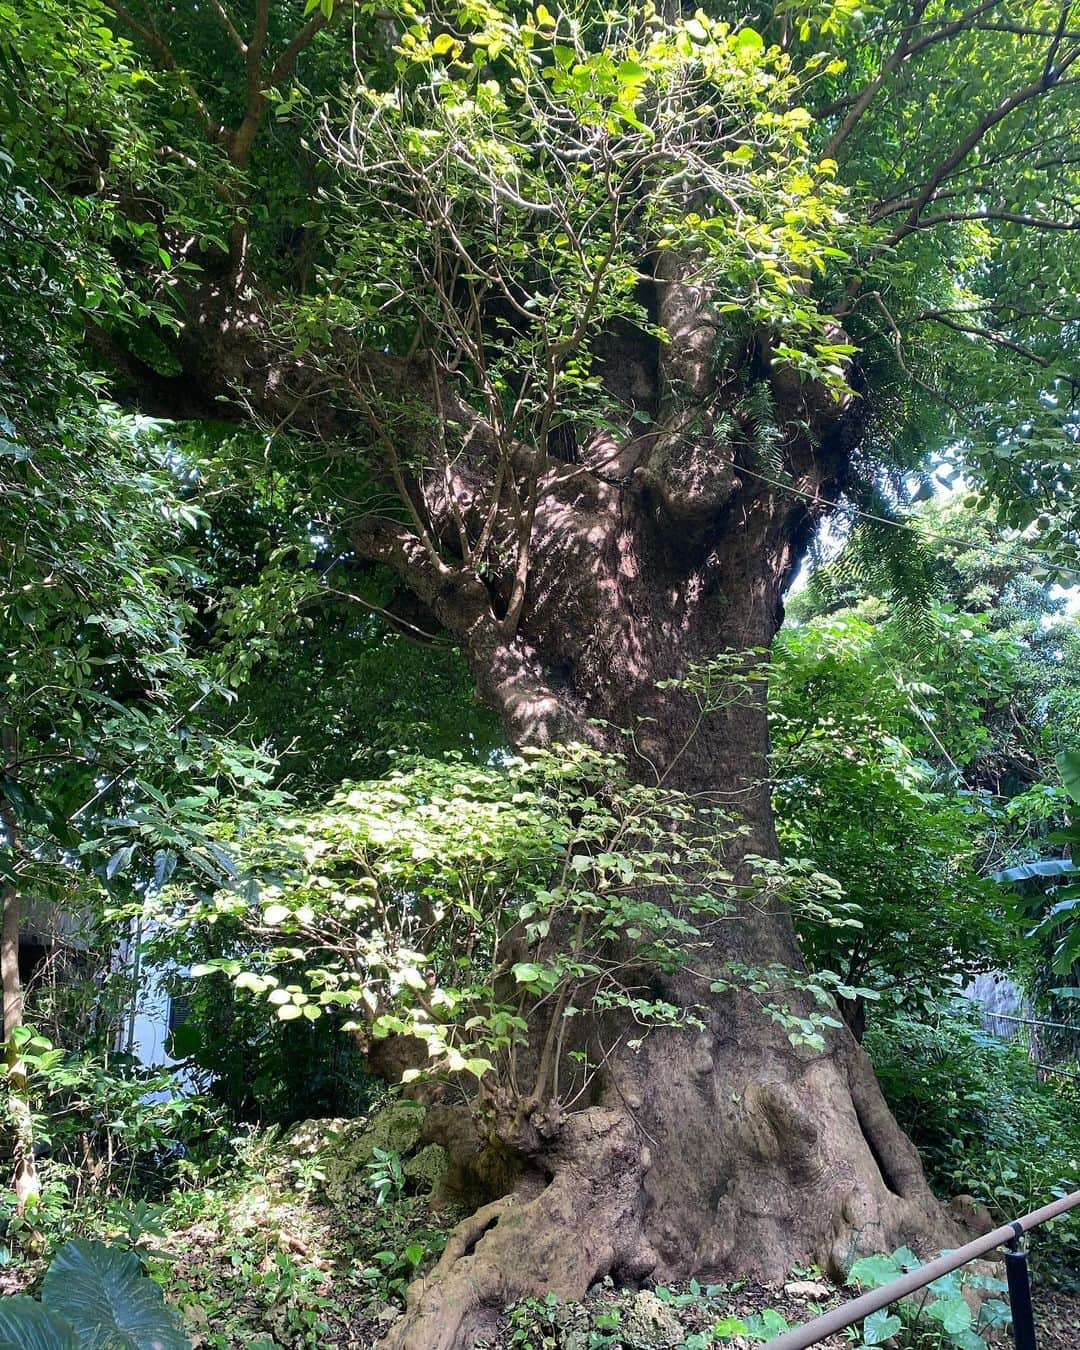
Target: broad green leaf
107 1299
1068 763
748 39
879 1326
874 1271
953 1314
26 1325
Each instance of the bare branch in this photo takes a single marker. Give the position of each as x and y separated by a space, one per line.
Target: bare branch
230 28
285 62
1024 30
1051 55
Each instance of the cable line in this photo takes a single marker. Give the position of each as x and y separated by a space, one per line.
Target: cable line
1010 556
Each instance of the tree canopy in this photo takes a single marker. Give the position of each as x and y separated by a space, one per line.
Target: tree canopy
553 343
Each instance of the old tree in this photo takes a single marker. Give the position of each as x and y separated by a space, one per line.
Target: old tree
581 323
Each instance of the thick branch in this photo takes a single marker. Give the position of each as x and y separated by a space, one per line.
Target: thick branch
175 397
998 340
905 49
1009 217
229 26
285 62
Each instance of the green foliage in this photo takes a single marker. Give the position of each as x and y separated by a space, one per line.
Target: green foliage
299 631
385 1175
963 729
93 1297
102 682
1057 912
107 1130
983 1123
259 1255
611 1321
391 1270
98 577
938 1318
260 1072
461 123
425 181
393 906
857 726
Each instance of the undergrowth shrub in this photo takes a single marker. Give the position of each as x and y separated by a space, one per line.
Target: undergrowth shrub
984 1123
260 1070
107 1130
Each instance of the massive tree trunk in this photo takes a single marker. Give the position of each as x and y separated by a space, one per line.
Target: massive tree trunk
579 558
717 1152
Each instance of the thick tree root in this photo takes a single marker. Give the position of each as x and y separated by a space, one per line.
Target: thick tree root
773 1156
586 1221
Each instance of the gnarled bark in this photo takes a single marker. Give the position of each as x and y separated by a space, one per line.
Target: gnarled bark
577 570
720 1152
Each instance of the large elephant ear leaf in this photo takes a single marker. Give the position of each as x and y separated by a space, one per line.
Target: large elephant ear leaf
26 1325
112 1305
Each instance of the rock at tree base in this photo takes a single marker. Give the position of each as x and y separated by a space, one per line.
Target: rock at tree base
343 1148
426 1169
651 1324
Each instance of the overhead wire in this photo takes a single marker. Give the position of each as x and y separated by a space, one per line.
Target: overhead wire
1010 554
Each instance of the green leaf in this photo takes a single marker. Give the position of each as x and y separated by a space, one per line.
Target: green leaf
1068 763
968 1340
953 1314
879 1326
26 1325
874 1271
768 1323
748 39
1051 867
119 861
109 1302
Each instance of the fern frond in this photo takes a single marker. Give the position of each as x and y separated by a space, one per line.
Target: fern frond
886 558
766 441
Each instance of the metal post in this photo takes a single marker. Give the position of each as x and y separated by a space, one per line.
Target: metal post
1016 1272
